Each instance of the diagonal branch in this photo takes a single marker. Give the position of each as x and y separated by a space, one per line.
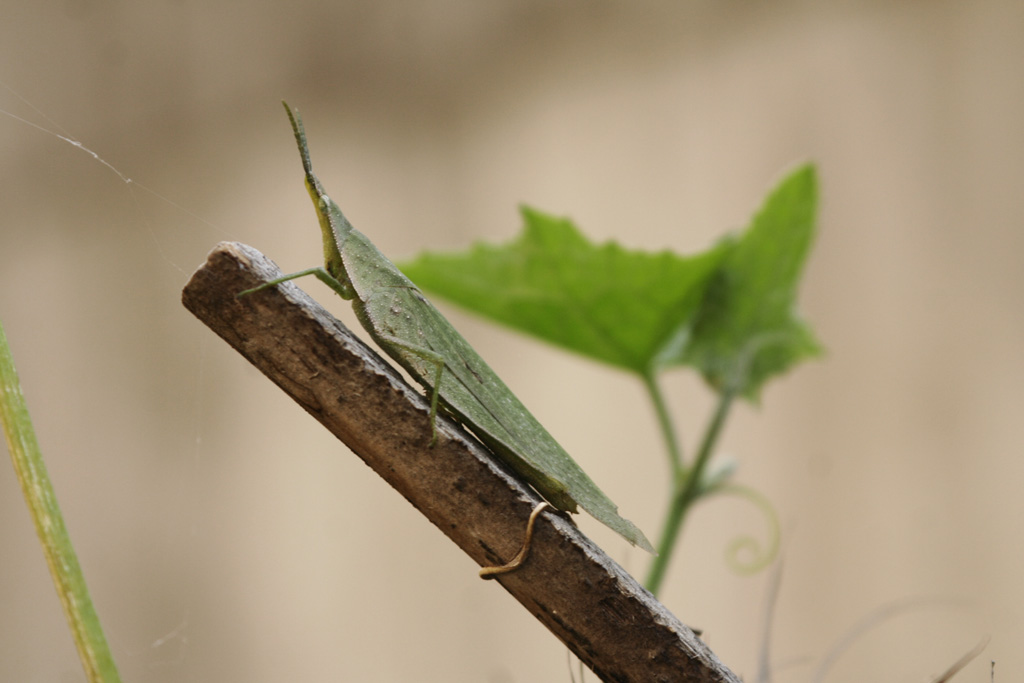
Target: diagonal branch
587 600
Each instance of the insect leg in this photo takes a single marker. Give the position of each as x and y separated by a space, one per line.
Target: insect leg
432 357
340 288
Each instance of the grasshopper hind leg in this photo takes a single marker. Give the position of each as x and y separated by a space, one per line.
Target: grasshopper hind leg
392 345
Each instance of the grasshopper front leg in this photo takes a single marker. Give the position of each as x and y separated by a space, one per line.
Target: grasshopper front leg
342 289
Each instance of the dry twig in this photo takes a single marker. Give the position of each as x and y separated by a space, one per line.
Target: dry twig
590 603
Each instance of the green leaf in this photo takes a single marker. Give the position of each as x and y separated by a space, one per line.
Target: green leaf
748 329
729 311
631 309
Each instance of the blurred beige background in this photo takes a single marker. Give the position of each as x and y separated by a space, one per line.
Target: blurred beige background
226 537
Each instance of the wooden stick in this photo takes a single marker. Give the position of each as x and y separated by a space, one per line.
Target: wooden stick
588 601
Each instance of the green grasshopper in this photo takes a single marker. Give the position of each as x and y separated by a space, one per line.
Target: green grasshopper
415 334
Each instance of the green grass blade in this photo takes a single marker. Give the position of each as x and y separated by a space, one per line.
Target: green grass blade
42 503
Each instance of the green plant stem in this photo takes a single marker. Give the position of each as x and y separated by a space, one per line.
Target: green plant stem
42 503
686 490
668 432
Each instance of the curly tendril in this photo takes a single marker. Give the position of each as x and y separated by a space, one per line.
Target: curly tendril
760 555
